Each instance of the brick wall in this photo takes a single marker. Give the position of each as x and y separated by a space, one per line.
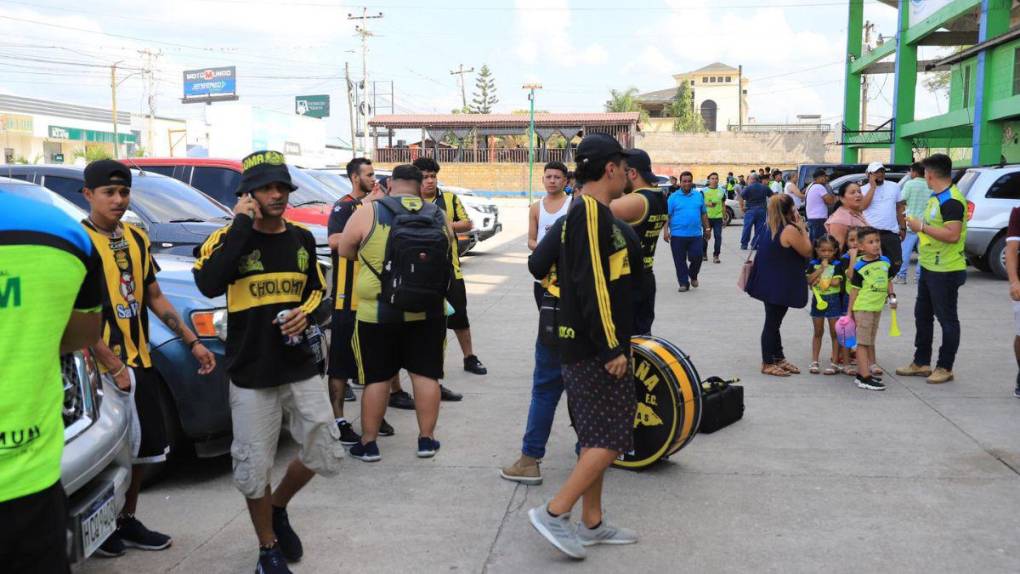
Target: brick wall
487 176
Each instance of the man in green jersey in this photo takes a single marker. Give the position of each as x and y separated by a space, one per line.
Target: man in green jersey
50 300
715 206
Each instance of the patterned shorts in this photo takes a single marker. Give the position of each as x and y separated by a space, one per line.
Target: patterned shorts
601 406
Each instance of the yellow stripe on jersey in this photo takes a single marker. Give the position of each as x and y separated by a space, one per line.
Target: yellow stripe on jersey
212 243
601 289
267 289
619 265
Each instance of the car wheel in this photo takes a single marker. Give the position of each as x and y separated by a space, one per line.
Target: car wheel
727 217
996 258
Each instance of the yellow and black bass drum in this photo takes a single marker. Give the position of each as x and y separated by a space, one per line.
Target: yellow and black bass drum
668 392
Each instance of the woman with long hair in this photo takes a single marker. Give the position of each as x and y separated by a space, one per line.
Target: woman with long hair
778 279
849 214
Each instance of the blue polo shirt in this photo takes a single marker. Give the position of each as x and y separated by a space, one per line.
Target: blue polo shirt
685 211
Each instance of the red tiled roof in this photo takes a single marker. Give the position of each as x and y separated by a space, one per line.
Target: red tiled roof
503 120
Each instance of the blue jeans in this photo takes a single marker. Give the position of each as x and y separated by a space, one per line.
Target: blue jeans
546 390
687 254
908 245
816 229
716 235
937 296
754 218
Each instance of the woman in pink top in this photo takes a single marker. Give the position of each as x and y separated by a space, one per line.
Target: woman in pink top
849 213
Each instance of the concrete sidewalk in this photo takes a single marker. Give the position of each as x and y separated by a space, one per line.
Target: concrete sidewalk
819 476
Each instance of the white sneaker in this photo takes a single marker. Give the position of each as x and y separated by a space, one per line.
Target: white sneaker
605 534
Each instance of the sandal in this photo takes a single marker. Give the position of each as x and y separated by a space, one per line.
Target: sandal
876 371
814 369
832 370
851 371
775 370
788 367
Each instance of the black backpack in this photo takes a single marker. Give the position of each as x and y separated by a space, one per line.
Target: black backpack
417 268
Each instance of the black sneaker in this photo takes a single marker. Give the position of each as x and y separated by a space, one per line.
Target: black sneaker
349 394
136 535
402 400
287 539
446 394
347 435
1016 392
870 383
271 561
473 365
112 547
427 447
386 429
366 452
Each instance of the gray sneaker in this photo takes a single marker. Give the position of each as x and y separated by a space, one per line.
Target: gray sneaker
559 531
900 280
605 534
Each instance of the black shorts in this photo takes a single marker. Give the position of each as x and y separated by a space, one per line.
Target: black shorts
382 349
341 356
602 407
33 532
457 296
154 445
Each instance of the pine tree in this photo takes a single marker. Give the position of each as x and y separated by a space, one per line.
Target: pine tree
484 96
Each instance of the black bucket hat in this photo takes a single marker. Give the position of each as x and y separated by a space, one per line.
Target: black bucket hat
263 168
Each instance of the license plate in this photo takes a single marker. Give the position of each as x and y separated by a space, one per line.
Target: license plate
98 522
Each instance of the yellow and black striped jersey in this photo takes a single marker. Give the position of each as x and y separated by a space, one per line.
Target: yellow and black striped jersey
261 275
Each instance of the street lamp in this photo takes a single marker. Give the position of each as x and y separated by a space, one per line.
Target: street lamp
531 137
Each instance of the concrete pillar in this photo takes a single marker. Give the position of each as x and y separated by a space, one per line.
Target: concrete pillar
905 89
852 87
986 143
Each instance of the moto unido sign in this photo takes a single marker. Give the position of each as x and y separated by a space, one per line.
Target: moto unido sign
312 106
210 84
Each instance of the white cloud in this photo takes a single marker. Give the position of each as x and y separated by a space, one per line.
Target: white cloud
543 28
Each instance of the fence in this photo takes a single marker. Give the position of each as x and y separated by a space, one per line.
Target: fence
771 128
470 155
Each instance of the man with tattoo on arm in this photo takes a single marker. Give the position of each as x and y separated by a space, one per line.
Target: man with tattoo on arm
129 287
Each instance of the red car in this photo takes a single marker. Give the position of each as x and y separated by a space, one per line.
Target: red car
309 203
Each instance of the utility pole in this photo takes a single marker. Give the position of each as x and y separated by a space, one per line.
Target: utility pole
868 27
365 33
531 137
113 109
350 110
463 94
150 89
740 98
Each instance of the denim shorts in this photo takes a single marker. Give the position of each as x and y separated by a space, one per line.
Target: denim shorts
833 311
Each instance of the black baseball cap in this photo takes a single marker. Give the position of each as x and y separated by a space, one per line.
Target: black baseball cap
599 146
103 172
639 160
407 172
819 172
261 169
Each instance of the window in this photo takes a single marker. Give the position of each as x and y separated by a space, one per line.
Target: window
69 189
704 79
729 79
166 200
692 82
21 176
1016 71
167 170
712 80
1006 187
966 86
219 182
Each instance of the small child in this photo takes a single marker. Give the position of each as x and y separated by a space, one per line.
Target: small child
849 257
825 276
870 287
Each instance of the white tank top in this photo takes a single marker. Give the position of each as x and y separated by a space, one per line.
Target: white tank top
546 219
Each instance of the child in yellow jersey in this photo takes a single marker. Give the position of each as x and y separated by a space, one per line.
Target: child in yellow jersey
870 287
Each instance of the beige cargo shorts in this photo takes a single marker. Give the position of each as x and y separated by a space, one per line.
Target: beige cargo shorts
257 418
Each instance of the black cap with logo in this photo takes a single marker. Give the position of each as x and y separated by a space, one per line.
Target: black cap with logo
599 146
640 161
261 169
103 172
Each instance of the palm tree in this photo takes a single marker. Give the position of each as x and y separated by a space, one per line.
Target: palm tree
625 101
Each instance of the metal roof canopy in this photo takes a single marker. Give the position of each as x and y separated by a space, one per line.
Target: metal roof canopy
469 121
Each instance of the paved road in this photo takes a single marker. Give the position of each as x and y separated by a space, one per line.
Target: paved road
819 476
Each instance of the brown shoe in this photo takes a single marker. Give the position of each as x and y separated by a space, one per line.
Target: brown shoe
788 367
524 470
940 376
775 370
716 259
914 371
694 283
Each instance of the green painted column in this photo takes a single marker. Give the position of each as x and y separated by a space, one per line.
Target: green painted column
852 84
986 147
905 90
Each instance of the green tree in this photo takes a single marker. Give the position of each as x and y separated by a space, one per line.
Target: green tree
625 101
484 96
681 109
92 153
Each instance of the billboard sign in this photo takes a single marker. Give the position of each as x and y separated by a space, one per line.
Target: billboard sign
922 9
210 84
312 106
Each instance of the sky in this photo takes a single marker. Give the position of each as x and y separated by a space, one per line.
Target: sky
791 50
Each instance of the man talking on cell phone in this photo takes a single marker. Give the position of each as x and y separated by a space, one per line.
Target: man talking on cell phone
266 266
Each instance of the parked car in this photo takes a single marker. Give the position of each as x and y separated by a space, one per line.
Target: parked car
992 193
341 185
177 217
95 468
838 170
196 407
862 178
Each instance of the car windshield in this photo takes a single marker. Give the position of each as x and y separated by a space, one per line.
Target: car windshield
166 200
43 195
309 191
331 180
